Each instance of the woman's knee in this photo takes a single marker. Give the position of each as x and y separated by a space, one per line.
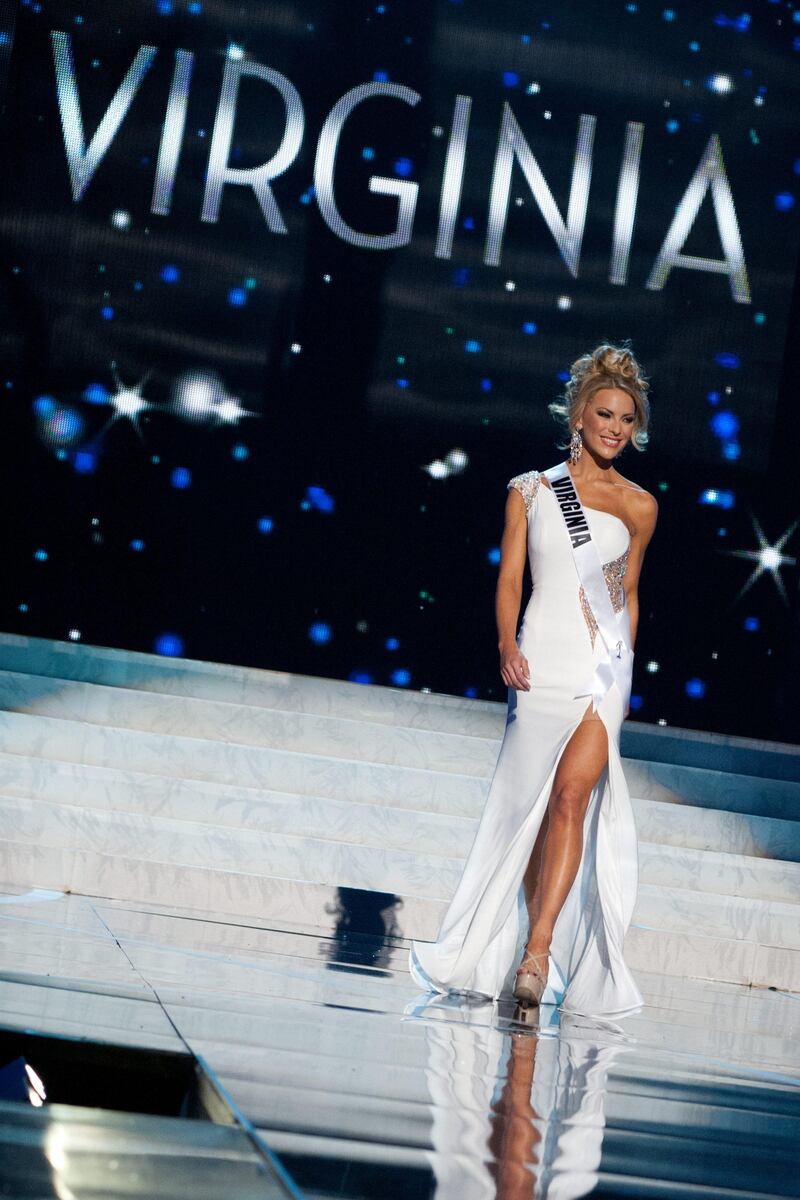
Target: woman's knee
568 801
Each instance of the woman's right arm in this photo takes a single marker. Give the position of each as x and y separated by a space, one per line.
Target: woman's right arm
514 667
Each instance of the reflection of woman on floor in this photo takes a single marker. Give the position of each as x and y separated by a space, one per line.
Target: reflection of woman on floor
514 1142
515 1116
548 1122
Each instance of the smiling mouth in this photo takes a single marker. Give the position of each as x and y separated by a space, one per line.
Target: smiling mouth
610 440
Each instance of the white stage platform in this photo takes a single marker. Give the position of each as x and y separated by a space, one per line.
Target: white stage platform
366 1093
260 794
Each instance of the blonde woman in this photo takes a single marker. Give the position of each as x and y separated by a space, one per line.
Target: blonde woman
548 888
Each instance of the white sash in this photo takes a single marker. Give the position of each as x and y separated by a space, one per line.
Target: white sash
613 627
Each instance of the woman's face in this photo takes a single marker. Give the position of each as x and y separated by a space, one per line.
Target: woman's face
608 422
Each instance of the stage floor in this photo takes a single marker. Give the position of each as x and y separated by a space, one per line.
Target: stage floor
364 1088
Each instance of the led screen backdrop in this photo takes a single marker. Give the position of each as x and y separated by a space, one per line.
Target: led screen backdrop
288 287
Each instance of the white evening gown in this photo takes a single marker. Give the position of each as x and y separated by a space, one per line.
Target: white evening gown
485 928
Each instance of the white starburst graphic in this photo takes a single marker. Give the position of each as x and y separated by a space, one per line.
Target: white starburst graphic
128 402
768 557
229 411
198 396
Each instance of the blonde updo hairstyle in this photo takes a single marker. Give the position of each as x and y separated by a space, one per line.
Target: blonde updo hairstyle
606 367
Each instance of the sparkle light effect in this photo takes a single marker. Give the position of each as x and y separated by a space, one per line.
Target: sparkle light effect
58 425
457 460
200 396
169 644
740 23
437 469
719 497
85 462
316 497
720 84
230 412
196 396
453 463
181 478
768 558
128 402
358 676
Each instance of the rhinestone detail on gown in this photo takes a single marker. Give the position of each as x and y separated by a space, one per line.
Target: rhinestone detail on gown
614 573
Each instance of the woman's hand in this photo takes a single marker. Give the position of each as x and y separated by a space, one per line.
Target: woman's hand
515 670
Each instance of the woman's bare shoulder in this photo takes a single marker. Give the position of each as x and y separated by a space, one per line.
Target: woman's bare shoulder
639 491
642 504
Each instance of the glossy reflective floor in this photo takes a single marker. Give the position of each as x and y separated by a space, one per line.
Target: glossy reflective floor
366 1089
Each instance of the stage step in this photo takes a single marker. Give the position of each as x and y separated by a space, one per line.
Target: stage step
260 793
706 787
241 848
712 914
282 691
438 787
703 956
240 725
380 821
184 758
250 686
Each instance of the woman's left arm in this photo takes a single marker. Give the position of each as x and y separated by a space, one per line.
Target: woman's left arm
643 513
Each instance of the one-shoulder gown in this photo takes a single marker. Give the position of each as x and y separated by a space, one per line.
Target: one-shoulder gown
485 928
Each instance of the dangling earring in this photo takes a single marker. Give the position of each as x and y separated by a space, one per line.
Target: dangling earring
575 446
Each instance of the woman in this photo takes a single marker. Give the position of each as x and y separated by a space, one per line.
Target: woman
552 873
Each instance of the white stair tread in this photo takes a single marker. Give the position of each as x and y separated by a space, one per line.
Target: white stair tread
258 688
34 738
165 839
743 918
252 686
713 829
224 722
161 839
378 820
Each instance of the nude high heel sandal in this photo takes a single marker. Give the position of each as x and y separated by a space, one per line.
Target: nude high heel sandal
529 985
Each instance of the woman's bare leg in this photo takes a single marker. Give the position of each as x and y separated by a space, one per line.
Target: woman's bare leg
531 876
559 854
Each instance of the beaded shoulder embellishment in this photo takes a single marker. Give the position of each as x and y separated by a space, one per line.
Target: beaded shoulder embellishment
528 485
614 573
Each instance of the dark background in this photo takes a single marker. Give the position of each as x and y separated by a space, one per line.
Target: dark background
386 574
